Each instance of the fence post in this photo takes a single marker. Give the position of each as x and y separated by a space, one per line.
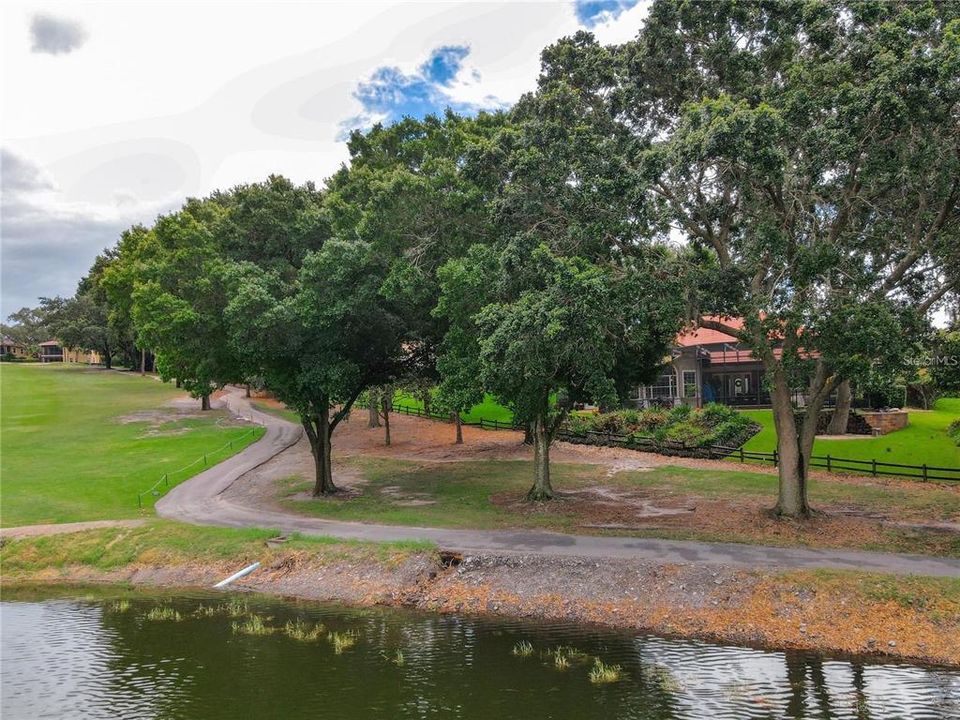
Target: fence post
775 459
204 458
874 462
741 454
828 462
166 480
139 502
925 472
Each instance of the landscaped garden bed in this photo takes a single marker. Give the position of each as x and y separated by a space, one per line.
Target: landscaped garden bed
681 430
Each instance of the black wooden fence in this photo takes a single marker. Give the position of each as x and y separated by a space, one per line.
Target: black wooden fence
717 452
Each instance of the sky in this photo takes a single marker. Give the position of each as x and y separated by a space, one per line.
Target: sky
113 113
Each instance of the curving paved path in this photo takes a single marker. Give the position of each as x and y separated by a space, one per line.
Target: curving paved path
200 500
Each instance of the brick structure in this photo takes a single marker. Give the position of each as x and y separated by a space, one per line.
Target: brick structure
886 422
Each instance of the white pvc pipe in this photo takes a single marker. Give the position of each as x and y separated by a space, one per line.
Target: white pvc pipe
237 575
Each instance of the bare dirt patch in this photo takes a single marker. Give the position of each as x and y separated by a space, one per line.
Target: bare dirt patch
606 507
165 421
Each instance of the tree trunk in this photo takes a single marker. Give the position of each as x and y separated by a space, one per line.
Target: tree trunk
541 490
458 423
177 382
143 362
795 445
425 398
247 393
528 434
374 414
385 404
318 431
205 402
791 467
841 413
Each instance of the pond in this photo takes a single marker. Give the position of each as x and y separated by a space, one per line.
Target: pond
80 655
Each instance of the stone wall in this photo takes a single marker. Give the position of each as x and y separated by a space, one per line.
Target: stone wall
886 422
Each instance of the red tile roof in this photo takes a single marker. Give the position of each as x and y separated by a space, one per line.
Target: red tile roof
706 336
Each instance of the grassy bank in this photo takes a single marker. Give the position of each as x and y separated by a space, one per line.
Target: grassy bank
924 440
169 544
78 443
667 501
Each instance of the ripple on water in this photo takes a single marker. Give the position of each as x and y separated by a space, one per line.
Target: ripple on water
65 658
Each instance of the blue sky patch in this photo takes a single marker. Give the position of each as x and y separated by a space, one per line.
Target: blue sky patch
593 12
390 94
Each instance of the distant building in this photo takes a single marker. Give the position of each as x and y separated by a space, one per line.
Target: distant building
9 346
53 351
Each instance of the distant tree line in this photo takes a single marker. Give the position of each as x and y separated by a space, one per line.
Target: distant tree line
807 153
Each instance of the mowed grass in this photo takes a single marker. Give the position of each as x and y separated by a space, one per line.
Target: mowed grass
924 440
67 454
489 409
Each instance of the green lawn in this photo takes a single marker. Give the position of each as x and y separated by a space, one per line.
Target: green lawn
924 440
489 409
69 452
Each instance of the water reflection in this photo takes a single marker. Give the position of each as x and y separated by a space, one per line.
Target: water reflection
95 658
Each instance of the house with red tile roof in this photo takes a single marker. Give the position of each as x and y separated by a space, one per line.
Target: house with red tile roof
705 366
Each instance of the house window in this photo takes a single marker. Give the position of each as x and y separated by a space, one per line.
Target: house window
689 383
664 387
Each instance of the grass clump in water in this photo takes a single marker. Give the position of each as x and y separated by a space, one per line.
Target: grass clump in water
236 608
602 673
560 659
164 613
523 649
253 625
397 658
342 641
303 631
206 611
120 606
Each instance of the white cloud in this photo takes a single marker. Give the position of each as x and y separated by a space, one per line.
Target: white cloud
173 100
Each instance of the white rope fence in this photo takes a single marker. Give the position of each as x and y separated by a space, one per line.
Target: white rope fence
165 478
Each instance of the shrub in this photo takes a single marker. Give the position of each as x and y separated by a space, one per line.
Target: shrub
651 419
687 433
729 432
715 414
953 430
680 413
579 424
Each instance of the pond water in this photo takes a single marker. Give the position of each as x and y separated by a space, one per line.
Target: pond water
199 656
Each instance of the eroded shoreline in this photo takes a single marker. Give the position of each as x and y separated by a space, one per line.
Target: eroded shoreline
915 619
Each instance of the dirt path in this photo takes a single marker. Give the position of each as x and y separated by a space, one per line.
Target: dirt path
203 500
